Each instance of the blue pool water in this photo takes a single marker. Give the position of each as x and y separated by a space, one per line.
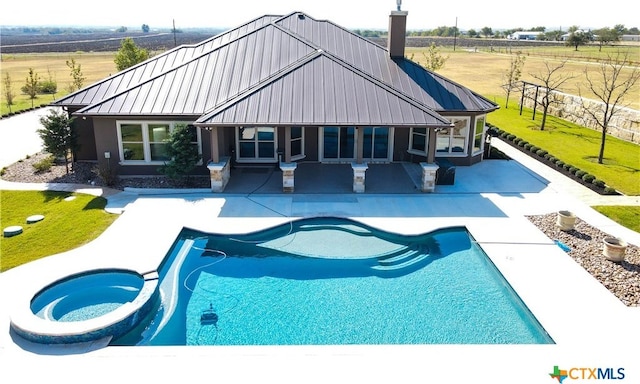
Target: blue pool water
334 281
86 296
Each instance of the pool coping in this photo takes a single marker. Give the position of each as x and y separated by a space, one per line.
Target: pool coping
36 329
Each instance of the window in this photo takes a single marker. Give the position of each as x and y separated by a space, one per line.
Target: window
297 143
158 136
418 139
452 141
256 144
478 138
146 142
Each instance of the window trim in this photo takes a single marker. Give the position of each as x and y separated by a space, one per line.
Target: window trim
465 147
418 152
480 135
146 143
302 154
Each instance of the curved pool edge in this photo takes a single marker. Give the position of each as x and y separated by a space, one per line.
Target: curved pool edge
111 325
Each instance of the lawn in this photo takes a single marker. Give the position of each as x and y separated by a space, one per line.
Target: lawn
627 216
95 66
575 145
67 223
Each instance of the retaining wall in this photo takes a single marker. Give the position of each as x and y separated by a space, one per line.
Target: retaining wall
625 124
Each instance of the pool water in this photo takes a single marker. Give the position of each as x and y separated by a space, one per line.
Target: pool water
334 281
86 296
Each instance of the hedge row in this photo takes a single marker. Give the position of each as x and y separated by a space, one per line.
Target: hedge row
542 154
5 115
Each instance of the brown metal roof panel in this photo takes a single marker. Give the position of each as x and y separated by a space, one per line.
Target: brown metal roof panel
193 92
168 101
304 89
205 86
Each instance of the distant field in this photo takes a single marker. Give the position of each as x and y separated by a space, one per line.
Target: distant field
482 71
480 67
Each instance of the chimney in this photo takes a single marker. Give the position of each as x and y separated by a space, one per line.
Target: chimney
397 32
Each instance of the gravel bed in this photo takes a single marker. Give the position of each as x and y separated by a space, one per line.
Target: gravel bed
585 241
85 173
622 279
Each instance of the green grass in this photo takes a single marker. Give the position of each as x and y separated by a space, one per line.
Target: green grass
66 224
575 145
626 216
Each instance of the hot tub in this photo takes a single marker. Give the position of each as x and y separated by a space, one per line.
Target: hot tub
87 306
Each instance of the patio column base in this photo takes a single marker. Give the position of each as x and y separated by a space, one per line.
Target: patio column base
358 176
220 173
288 181
429 177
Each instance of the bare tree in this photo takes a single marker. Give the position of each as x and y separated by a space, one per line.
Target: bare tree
30 86
552 79
611 84
76 74
512 75
8 91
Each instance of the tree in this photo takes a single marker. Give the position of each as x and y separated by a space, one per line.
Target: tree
182 152
578 37
487 31
48 86
512 74
552 35
434 60
8 91
145 28
58 135
31 85
552 79
606 36
129 54
76 75
610 86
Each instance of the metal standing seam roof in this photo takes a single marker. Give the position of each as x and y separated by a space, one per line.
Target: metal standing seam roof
322 90
261 65
131 77
208 80
408 77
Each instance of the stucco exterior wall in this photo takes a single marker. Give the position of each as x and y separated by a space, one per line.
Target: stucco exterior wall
624 125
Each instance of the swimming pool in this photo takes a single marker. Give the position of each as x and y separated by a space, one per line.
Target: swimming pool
333 281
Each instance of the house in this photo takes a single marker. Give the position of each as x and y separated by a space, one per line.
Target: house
277 90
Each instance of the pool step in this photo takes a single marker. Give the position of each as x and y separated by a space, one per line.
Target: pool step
401 260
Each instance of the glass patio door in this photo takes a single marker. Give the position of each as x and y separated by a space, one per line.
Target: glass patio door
338 143
376 144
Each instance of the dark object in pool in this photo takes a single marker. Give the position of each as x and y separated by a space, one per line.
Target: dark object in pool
209 316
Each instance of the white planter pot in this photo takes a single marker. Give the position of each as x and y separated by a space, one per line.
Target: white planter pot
614 249
566 220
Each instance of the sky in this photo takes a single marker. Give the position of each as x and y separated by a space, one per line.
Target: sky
352 14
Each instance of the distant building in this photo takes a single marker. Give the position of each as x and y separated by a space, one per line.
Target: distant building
524 35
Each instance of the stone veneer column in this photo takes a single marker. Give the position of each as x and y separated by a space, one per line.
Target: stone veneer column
220 173
429 176
358 176
288 181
